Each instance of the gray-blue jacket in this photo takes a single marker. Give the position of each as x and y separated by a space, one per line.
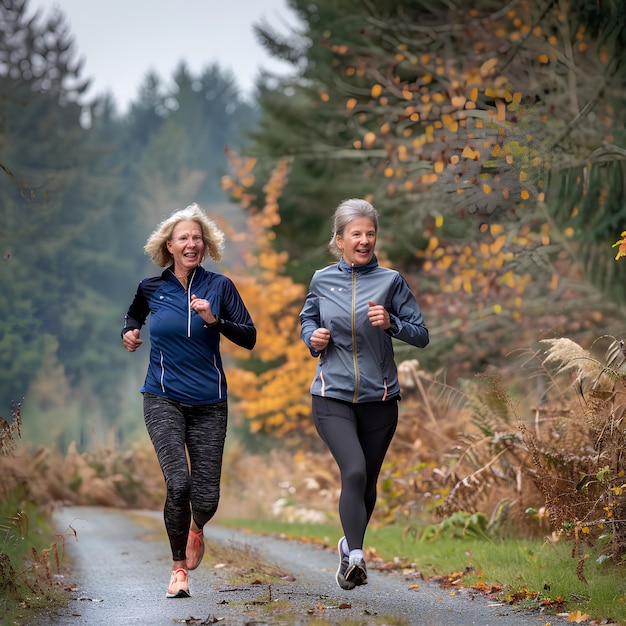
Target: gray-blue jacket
358 364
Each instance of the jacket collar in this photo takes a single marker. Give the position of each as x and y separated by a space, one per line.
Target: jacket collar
168 272
347 268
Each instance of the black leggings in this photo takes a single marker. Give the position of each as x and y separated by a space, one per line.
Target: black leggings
194 487
358 436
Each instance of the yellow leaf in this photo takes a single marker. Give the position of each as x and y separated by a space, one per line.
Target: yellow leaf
468 153
449 122
577 617
488 66
496 246
508 279
350 104
501 110
376 90
444 262
369 139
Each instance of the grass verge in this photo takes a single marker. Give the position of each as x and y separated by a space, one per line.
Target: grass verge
520 572
30 561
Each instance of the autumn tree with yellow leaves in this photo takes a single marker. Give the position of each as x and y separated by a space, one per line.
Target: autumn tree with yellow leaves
272 382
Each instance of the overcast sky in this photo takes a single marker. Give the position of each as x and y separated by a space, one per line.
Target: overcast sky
120 41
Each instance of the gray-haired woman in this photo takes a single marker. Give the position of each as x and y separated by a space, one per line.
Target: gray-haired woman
184 393
352 312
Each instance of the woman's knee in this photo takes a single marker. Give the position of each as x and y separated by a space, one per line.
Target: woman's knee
178 486
354 479
204 504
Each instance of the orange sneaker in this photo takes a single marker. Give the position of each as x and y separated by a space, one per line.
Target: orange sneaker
195 549
179 584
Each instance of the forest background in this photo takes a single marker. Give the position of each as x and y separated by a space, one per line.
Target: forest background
491 139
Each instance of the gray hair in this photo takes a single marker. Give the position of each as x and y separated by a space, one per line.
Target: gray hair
212 235
346 212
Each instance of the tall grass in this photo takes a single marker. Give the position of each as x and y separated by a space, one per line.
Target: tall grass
30 561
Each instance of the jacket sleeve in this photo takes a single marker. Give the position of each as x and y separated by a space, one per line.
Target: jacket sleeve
234 321
310 319
137 312
407 322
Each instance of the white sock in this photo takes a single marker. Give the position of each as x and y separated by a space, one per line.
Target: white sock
356 556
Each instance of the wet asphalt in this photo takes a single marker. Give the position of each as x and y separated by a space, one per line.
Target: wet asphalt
119 568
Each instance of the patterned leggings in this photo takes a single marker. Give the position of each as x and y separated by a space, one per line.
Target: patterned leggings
357 436
192 488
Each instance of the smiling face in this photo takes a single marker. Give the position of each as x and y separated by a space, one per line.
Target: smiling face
186 246
358 241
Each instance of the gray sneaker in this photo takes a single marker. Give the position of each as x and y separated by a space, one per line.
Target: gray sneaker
356 573
344 564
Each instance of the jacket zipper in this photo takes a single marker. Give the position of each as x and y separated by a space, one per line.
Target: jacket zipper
189 303
354 350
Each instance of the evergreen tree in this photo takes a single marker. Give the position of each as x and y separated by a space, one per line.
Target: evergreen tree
58 228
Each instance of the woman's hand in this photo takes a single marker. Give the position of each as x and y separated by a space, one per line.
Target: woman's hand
319 339
131 340
203 309
378 315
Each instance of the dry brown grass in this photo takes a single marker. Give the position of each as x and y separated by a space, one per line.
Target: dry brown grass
454 450
106 477
286 484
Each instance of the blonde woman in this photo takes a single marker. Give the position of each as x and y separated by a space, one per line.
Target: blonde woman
185 393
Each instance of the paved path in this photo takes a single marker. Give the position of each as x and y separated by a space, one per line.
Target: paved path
121 563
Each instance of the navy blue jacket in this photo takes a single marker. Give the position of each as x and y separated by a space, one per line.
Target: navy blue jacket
185 362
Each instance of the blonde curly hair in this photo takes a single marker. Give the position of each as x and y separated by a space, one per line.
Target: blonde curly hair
212 235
